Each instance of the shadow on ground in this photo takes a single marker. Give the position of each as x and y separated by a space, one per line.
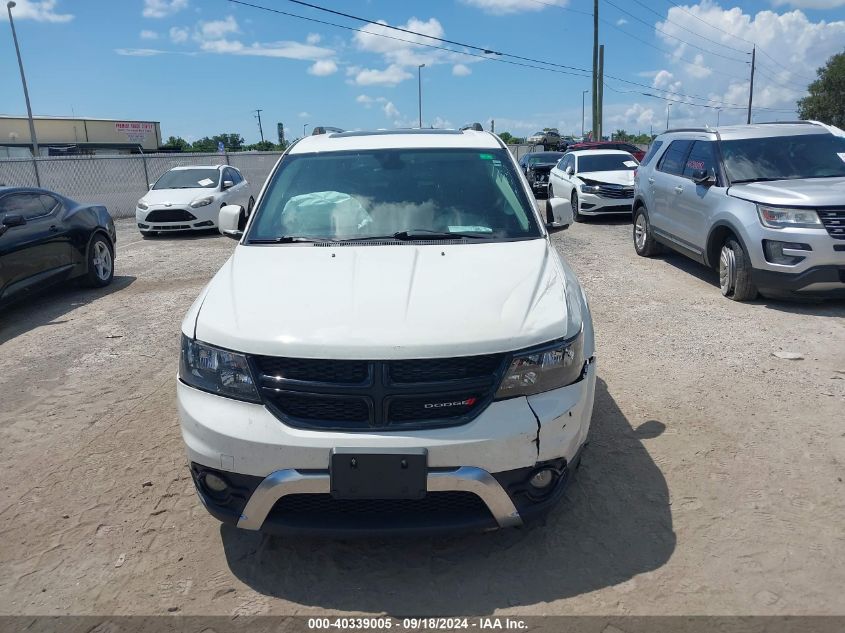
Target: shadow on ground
613 524
794 304
47 307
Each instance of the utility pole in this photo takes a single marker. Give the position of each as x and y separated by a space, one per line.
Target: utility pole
601 94
668 106
595 64
718 114
35 151
419 89
304 125
751 87
583 92
260 129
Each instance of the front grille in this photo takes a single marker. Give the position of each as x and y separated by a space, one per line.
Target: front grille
612 191
312 370
448 507
834 221
362 395
170 215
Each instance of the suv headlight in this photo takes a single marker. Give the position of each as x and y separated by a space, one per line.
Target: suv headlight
783 218
202 202
143 205
590 188
216 370
544 368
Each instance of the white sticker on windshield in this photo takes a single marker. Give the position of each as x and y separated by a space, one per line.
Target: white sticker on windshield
205 182
842 156
470 229
630 163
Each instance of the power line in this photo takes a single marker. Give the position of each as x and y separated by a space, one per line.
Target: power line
656 28
584 73
699 105
660 15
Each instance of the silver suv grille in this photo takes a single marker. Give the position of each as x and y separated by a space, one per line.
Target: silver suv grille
834 221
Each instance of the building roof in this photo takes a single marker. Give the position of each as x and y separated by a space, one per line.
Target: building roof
396 139
46 117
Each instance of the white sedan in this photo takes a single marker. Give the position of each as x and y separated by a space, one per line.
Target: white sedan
594 182
190 198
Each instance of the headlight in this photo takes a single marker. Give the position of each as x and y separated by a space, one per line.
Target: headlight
216 370
782 218
590 188
142 205
202 202
544 368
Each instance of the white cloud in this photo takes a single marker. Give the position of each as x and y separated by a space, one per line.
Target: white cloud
662 79
502 7
149 35
40 11
390 76
304 115
178 35
139 52
460 70
390 110
163 8
621 22
216 29
313 38
323 67
810 4
364 100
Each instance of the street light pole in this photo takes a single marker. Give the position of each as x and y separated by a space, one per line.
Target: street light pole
35 152
668 105
718 113
304 125
419 89
583 92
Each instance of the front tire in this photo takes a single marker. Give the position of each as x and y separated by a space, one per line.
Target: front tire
644 242
735 272
100 263
576 205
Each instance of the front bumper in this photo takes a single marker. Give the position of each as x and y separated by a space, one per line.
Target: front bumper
203 218
592 204
826 281
490 458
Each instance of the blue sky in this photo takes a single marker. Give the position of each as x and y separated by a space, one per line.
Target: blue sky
201 66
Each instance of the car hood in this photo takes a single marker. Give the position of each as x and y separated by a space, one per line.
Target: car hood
807 192
388 302
622 177
175 196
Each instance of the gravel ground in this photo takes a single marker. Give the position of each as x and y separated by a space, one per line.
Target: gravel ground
712 485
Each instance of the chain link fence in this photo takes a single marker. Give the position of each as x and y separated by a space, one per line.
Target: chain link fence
119 181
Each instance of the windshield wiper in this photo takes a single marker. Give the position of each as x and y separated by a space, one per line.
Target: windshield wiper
287 239
746 180
427 234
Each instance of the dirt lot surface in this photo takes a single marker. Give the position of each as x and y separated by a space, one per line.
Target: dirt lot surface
712 484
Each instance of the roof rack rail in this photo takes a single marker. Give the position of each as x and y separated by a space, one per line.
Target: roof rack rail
689 129
473 126
325 129
799 122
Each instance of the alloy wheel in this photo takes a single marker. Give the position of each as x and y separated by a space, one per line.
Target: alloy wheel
727 270
102 260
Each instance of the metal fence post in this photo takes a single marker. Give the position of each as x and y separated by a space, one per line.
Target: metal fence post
146 172
37 175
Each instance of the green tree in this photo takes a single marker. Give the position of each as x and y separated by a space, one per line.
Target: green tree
176 143
621 135
507 138
231 142
826 99
263 146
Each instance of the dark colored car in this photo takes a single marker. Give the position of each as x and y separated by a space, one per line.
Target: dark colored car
536 167
635 151
46 238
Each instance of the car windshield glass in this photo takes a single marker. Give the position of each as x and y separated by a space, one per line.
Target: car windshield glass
544 158
189 179
606 162
784 157
395 193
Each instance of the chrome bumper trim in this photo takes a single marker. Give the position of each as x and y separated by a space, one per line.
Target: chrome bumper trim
290 481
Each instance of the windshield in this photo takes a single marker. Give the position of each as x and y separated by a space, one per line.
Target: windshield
607 162
784 157
189 179
386 193
544 158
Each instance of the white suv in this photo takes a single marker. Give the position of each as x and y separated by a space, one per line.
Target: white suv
395 344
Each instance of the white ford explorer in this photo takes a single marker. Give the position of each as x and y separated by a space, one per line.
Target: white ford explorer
394 345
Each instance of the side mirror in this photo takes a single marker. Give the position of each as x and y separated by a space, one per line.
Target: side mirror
13 219
152 184
227 184
703 177
561 214
229 220
570 170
